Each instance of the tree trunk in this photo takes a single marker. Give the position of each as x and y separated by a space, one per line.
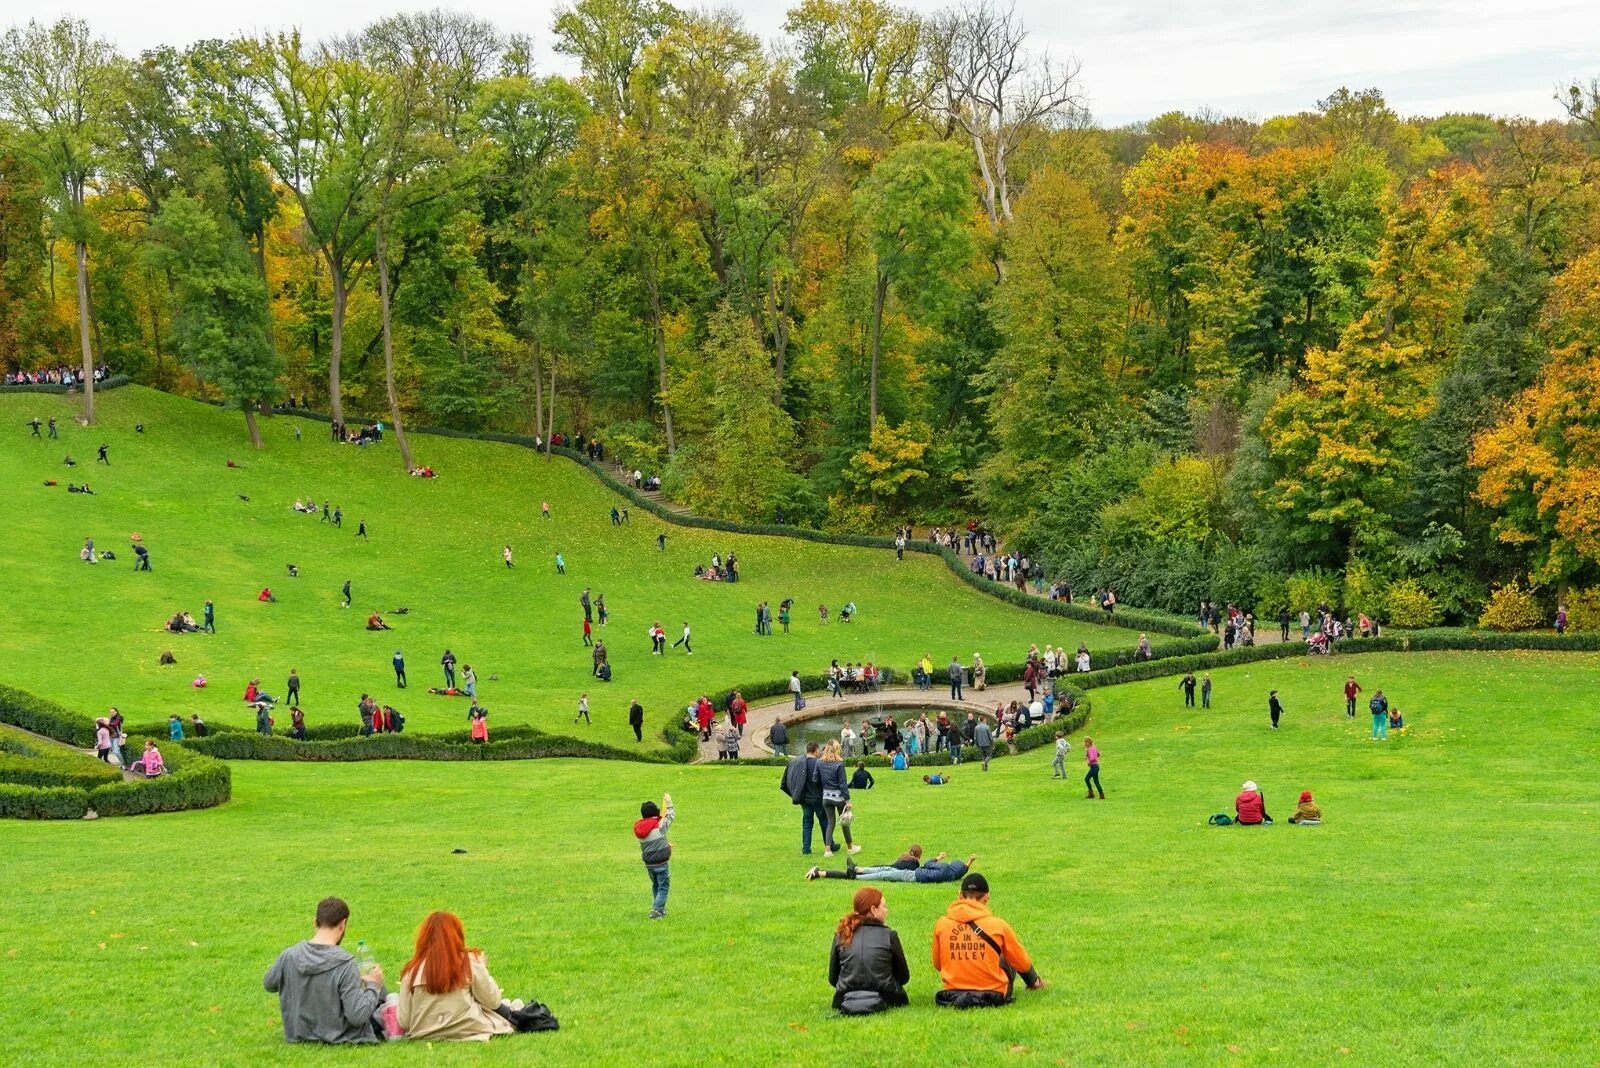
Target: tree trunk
879 296
250 424
81 252
538 390
336 345
550 430
388 348
661 366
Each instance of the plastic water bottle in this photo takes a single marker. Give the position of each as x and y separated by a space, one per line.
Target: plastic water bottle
365 960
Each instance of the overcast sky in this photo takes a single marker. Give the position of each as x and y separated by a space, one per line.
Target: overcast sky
1140 57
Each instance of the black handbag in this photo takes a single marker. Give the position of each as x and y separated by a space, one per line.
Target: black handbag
534 1016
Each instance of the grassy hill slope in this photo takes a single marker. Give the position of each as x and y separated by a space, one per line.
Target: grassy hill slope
91 636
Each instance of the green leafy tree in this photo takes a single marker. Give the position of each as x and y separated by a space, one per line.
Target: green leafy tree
221 322
915 210
745 460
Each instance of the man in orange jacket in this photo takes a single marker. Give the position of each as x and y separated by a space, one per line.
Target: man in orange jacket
977 954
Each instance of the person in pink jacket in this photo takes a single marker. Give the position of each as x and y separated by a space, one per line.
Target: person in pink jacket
153 764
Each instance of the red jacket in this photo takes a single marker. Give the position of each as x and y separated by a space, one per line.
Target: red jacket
740 712
1250 807
704 714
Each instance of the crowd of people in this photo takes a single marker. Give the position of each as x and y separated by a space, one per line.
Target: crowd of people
63 375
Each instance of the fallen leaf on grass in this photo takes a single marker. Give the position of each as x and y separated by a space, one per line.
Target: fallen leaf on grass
1021 1049
194 943
1235 1049
102 945
1344 1049
118 934
800 1027
1180 1030
1131 1025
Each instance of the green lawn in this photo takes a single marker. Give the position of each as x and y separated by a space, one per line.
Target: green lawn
1444 914
435 548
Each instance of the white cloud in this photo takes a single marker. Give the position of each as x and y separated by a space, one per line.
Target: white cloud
1140 57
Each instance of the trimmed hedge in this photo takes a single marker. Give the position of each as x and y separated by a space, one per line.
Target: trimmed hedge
42 802
192 780
519 742
26 764
22 709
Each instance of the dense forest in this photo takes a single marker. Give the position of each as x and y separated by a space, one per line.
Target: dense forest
885 268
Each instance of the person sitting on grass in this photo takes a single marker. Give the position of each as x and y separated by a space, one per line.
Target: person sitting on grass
266 595
446 991
1250 807
936 779
977 953
1306 813
375 622
867 966
937 870
322 995
253 694
1397 722
862 779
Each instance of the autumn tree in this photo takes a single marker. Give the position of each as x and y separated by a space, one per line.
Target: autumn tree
1540 463
53 89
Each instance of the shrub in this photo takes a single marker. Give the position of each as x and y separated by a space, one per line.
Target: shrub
21 709
1411 607
1311 587
1512 608
1583 611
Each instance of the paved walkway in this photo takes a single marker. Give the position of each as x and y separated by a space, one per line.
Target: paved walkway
864 705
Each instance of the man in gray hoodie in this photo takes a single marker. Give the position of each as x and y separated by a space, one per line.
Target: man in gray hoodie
322 995
983 735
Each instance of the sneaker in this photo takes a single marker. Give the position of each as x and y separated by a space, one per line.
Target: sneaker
854 850
811 873
656 914
827 852
517 1004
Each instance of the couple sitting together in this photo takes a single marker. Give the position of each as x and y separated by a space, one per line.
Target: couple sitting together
977 954
446 992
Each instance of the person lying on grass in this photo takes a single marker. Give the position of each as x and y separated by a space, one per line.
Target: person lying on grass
867 967
375 622
936 779
907 869
322 994
977 953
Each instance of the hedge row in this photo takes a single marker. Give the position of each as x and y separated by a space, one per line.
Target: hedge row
24 764
193 780
55 387
519 742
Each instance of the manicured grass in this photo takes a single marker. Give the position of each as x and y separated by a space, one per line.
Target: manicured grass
90 637
1444 913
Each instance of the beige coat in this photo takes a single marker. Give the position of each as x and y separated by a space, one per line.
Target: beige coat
461 1015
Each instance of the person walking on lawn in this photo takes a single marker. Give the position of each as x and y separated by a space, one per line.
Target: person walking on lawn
957 674
1187 686
1091 778
802 781
1274 708
651 832
1351 689
399 669
636 719
1379 705
1205 690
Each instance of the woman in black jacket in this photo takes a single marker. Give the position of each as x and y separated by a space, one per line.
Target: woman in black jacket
866 955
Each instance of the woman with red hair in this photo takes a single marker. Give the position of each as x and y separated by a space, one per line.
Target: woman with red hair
867 966
446 991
